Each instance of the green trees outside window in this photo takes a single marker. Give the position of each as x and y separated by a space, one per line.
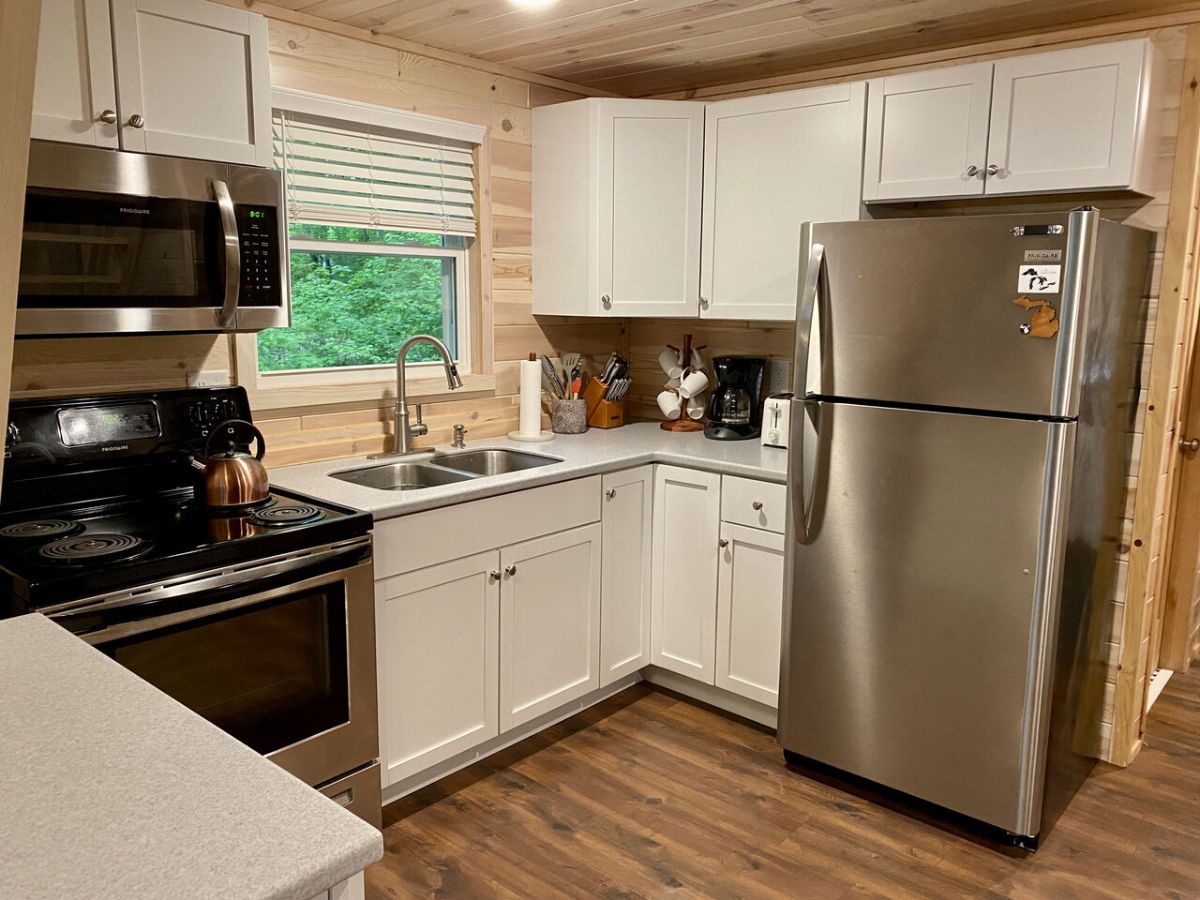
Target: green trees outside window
356 297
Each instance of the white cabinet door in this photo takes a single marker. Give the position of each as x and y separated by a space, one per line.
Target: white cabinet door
927 134
549 623
627 516
687 517
75 84
1069 120
750 612
771 163
437 637
195 74
650 179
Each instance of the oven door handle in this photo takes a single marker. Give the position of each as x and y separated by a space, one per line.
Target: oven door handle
141 626
232 247
215 579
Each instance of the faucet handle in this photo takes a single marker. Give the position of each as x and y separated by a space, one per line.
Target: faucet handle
418 428
460 434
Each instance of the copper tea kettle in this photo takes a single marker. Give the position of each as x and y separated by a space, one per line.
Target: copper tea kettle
232 477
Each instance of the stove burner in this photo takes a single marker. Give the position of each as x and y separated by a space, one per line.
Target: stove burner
93 548
41 529
287 515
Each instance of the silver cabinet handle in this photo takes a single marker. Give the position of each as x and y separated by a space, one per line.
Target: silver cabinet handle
510 570
993 169
756 505
233 254
723 542
606 301
107 116
1189 446
972 171
493 575
136 121
610 493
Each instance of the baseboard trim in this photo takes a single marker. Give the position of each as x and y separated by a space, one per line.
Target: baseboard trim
713 696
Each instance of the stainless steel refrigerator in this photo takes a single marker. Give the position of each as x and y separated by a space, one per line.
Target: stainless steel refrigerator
961 432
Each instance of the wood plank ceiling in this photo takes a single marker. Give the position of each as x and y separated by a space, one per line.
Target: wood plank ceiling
642 47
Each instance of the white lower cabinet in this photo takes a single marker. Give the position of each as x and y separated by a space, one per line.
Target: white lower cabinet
750 612
687 517
626 544
549 623
438 640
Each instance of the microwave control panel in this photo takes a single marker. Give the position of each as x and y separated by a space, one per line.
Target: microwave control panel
258 233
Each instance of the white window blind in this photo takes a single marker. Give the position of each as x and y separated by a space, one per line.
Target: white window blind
342 173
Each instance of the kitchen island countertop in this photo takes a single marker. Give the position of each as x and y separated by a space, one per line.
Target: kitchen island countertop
114 790
577 455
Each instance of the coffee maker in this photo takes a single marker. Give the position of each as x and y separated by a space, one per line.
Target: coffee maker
735 408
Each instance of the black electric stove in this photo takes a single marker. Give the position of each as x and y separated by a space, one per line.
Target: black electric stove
100 495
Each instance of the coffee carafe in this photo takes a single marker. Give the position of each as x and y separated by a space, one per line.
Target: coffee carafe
735 407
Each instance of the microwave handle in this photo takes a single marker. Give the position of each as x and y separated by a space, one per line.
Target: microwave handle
233 254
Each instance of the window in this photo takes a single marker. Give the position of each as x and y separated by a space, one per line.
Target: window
381 227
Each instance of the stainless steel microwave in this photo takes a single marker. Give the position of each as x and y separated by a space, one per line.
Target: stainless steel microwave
118 242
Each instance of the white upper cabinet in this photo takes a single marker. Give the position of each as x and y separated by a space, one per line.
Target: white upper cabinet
174 77
771 163
927 134
193 80
75 90
1070 120
616 207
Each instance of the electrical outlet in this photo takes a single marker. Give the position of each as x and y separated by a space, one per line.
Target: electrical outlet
212 378
779 376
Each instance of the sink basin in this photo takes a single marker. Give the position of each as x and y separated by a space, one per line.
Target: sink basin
491 462
402 476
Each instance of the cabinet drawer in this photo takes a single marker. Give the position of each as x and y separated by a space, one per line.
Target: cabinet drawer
757 504
427 538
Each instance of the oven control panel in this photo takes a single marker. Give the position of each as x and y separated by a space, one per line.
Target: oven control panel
206 412
258 234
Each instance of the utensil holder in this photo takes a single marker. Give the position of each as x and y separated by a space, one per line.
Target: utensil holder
568 416
602 413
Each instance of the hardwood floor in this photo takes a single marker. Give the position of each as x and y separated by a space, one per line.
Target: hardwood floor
649 795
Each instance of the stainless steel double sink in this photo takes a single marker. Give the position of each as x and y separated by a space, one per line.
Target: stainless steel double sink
411 474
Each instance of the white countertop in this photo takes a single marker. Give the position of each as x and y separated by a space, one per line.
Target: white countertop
111 789
595 451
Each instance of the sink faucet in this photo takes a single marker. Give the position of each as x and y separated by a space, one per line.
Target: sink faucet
405 432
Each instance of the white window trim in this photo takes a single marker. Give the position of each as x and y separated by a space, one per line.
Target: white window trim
284 390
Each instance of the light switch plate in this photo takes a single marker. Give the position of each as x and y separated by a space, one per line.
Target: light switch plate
779 375
211 378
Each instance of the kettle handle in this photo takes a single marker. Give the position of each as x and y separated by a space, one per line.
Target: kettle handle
229 427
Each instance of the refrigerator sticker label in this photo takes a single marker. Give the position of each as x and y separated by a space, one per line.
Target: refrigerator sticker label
1044 321
1038 279
1045 256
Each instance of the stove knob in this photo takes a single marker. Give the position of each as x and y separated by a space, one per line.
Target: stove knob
13 436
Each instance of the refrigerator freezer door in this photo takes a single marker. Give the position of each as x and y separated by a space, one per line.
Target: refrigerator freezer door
915 616
957 312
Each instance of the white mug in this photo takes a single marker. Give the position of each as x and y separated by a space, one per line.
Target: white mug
673 382
695 407
695 383
669 361
670 404
697 360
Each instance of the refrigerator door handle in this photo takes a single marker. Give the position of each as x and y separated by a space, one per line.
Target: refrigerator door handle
814 285
811 279
800 511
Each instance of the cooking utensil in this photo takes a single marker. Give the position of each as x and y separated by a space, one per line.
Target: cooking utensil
553 383
232 477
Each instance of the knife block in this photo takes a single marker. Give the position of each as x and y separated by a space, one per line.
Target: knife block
602 413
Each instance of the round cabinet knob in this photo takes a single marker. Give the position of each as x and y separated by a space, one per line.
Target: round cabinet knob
756 505
494 575
510 570
610 493
136 121
723 542
108 117
606 301
993 169
704 303
1189 445
972 171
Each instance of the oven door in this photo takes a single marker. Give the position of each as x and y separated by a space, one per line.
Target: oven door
127 242
289 670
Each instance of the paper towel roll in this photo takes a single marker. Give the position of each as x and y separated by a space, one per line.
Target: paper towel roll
530 422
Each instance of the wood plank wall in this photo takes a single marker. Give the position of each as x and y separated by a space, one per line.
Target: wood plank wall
648 336
307 59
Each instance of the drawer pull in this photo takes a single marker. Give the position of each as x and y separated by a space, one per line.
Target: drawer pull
756 505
